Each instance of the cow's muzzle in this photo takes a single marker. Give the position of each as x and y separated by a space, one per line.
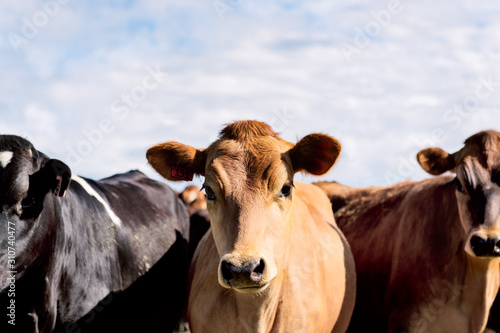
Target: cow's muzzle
489 247
246 276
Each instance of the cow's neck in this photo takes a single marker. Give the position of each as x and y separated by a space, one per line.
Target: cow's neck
260 310
78 245
481 283
462 287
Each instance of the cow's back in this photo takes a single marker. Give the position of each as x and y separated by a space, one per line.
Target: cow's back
393 231
362 216
152 235
151 215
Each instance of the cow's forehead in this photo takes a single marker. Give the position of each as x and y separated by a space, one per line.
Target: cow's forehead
484 147
14 143
14 182
259 147
252 155
247 138
256 163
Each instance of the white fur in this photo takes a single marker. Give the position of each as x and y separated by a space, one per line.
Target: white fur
116 220
5 158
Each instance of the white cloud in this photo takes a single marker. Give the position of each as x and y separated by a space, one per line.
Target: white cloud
262 58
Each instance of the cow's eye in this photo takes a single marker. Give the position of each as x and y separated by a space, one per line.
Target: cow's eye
459 186
286 190
28 203
209 192
30 207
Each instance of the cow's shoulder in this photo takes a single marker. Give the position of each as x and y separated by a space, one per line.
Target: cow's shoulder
311 199
372 205
205 292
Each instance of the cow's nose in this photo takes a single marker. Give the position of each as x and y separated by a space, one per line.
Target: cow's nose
489 247
250 271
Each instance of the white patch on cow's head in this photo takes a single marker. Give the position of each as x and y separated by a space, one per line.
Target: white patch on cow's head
5 158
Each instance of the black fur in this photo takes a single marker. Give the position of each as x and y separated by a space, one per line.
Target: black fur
73 264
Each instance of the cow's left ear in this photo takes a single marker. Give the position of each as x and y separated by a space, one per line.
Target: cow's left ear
435 160
315 153
54 176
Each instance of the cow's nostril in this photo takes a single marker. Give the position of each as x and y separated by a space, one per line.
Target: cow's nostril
477 242
250 271
496 248
257 272
485 247
227 271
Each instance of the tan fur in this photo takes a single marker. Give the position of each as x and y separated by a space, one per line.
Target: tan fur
308 284
185 157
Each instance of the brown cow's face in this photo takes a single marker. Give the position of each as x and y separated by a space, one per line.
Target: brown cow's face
249 187
477 182
478 196
249 198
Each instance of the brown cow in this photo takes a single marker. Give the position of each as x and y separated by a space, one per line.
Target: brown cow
274 260
427 253
196 204
193 198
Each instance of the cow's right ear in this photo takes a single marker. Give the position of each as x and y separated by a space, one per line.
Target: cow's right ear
176 161
435 160
54 176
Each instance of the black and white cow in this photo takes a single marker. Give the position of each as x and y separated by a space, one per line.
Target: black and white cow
65 262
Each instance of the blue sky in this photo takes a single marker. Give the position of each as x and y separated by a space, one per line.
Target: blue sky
96 83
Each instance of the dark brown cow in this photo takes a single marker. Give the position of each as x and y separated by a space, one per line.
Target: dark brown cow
427 253
274 260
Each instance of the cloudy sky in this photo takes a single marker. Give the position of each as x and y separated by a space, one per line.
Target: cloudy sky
96 83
